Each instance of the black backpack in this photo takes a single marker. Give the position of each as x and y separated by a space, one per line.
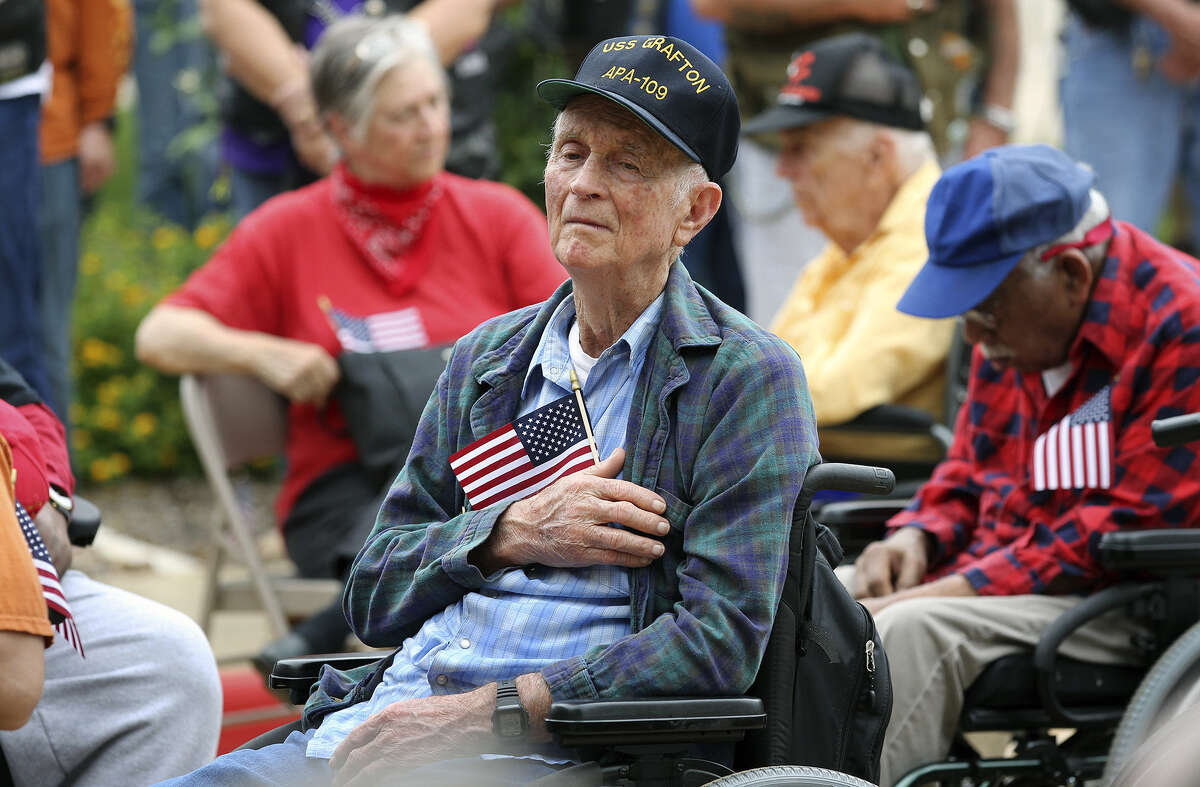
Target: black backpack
22 38
824 676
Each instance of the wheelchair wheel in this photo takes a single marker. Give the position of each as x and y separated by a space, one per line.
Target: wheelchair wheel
1179 660
789 776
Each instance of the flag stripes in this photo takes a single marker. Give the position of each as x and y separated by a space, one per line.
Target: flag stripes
1074 453
52 592
521 458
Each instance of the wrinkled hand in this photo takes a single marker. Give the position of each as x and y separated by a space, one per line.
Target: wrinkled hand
301 371
414 732
97 160
566 524
52 526
888 11
896 563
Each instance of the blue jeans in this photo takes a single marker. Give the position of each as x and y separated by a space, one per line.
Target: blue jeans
174 184
20 249
1138 132
58 226
286 764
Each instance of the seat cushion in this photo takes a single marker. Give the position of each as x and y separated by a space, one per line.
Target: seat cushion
1009 686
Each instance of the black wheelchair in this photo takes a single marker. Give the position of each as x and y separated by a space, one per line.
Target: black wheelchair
1038 696
650 742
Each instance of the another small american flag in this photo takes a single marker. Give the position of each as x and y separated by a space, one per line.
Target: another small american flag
56 600
1075 452
523 457
383 332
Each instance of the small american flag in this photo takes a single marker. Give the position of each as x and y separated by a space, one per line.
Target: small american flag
383 332
56 600
1075 452
518 459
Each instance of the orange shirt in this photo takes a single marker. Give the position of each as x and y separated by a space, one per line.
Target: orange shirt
22 607
89 43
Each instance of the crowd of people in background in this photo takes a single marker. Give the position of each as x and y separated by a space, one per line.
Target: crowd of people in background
361 150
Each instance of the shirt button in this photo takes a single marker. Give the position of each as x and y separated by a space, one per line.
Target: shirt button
554 370
464 643
442 680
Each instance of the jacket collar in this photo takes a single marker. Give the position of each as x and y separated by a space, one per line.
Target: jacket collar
686 322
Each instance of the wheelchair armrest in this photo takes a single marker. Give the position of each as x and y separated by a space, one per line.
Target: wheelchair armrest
1178 430
1045 655
85 521
299 674
652 721
1157 552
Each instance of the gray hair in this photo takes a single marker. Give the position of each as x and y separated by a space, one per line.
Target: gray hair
1097 213
913 148
355 53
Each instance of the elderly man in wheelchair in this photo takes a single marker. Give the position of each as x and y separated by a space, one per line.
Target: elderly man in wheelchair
494 569
1086 330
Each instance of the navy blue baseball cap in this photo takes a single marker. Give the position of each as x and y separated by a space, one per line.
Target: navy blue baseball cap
668 83
984 214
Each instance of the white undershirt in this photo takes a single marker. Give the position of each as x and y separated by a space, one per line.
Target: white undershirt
1054 379
582 362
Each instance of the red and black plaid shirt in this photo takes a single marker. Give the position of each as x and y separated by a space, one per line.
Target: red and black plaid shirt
1031 482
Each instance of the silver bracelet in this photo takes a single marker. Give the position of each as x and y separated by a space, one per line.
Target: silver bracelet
998 117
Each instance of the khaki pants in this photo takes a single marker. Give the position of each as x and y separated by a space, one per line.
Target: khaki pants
936 647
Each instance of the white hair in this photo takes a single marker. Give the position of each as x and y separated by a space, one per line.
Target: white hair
355 54
913 148
1097 213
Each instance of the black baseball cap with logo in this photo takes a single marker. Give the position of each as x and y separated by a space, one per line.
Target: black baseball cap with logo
668 83
849 75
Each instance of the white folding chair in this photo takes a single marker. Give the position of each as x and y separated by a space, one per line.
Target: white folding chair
234 419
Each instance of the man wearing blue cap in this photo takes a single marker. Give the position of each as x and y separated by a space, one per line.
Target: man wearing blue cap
496 608
1085 330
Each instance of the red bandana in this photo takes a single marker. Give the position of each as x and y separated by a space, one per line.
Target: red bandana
384 223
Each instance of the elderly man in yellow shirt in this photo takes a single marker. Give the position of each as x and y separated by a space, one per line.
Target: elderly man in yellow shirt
861 167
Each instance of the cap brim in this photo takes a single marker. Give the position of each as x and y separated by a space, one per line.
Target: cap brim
559 92
943 291
781 118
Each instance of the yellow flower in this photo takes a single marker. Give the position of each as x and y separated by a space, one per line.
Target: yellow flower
99 470
82 439
90 264
75 412
120 463
164 238
206 236
97 352
134 295
143 424
109 392
108 418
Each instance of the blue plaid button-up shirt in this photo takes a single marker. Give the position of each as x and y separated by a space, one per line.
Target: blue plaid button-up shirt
524 620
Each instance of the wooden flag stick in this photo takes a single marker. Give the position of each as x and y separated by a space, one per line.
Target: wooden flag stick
587 426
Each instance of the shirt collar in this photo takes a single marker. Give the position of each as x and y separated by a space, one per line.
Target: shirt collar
1103 326
552 357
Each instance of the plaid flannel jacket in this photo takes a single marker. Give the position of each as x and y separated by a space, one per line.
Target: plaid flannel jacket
1139 346
721 427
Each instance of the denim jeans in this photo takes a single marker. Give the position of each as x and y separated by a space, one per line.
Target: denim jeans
286 764
174 184
58 226
20 249
1136 131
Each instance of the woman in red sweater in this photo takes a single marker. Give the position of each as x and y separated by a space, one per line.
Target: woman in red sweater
388 252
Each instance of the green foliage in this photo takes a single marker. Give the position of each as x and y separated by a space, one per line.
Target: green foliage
126 417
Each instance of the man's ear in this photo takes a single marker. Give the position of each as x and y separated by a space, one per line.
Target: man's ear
705 199
1076 274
